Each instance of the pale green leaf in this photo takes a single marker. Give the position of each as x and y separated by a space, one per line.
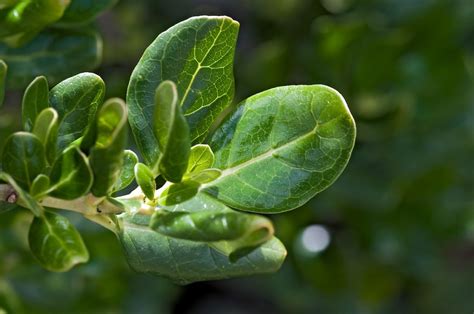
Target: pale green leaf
46 129
127 174
145 180
39 186
178 192
35 100
200 158
281 147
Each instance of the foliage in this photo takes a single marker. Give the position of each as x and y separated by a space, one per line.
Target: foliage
273 153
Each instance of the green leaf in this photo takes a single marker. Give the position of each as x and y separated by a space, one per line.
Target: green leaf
281 147
76 100
3 77
145 180
84 11
56 243
200 158
35 100
172 132
54 53
185 261
71 175
198 55
39 186
24 199
23 157
205 176
106 157
6 206
127 174
21 22
46 129
178 192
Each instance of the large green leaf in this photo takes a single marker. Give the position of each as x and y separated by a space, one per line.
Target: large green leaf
23 157
56 54
35 100
3 77
18 24
46 129
281 147
76 100
55 243
198 55
84 11
172 133
71 175
185 261
24 199
106 156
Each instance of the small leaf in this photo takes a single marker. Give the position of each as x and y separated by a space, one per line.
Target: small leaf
200 158
3 76
172 132
76 100
24 199
39 186
185 261
196 54
281 147
34 101
84 11
127 174
56 243
178 192
106 157
71 176
54 53
145 180
23 157
205 176
46 129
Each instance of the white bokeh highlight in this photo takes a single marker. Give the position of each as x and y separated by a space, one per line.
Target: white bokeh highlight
315 238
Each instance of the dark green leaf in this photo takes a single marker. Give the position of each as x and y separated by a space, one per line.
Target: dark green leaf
185 261
106 156
46 129
198 55
3 77
172 133
35 100
146 180
56 54
71 176
84 11
200 158
55 243
178 192
127 174
281 147
6 206
24 199
39 186
23 157
76 100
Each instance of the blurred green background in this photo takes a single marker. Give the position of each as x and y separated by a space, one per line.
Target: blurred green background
395 234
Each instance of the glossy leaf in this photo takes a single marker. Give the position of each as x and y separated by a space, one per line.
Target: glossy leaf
84 11
106 157
200 158
56 54
145 180
46 129
127 174
23 157
39 186
35 100
3 77
195 54
56 243
281 147
178 192
205 176
24 199
185 261
71 175
76 100
172 133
